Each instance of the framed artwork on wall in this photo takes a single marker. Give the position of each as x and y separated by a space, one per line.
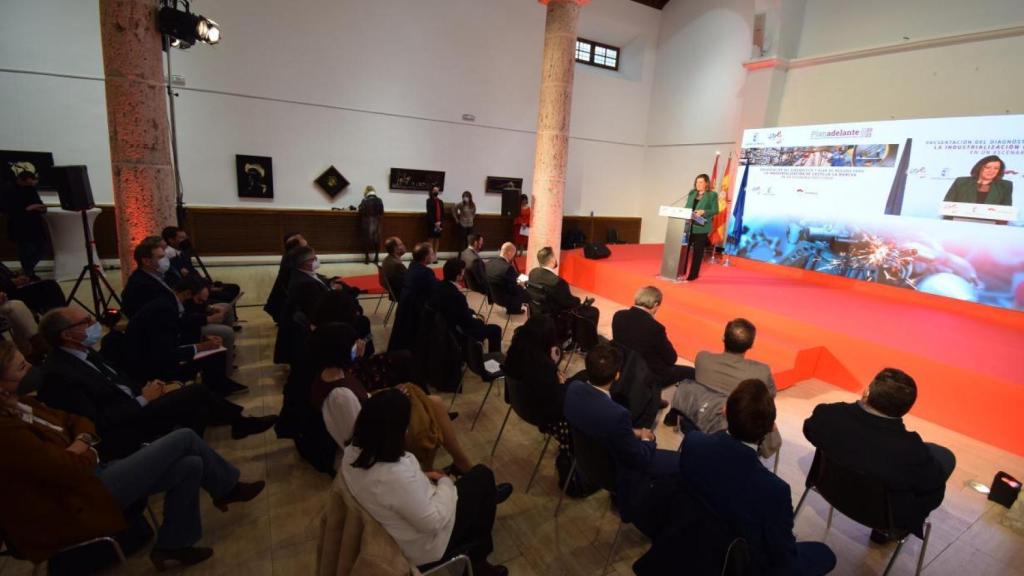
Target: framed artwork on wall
406 179
255 176
13 162
499 184
332 182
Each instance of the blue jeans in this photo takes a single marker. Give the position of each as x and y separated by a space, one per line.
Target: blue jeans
178 464
814 558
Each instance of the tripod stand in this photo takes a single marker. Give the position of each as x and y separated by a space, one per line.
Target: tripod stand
97 281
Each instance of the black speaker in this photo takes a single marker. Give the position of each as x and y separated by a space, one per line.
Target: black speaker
510 202
73 189
596 251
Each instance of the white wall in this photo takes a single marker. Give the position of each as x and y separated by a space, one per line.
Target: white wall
364 86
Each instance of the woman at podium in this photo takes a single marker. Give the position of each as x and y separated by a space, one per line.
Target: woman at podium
985 185
704 204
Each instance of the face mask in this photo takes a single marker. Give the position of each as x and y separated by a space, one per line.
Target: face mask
316 264
355 352
92 335
163 265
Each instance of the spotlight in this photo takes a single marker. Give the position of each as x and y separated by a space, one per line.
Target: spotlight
184 28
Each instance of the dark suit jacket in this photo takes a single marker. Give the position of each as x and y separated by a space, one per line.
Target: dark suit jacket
73 386
152 343
503 278
278 296
965 189
538 374
305 292
419 285
558 296
594 413
394 272
637 330
141 289
449 301
882 448
51 497
729 476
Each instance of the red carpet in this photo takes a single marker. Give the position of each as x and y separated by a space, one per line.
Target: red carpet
967 359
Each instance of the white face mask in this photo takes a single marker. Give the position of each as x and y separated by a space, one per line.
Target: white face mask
316 264
163 265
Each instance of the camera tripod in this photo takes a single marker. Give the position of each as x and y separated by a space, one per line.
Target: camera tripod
102 292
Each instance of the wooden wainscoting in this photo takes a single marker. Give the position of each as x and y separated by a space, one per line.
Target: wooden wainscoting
259 231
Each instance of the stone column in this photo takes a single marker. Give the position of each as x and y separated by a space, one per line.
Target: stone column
140 156
552 154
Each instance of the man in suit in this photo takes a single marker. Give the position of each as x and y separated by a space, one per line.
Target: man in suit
394 270
80 381
181 251
590 409
869 435
723 469
279 292
471 256
636 329
25 224
153 347
419 285
502 275
558 298
449 301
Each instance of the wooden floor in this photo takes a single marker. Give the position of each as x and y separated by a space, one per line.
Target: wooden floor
277 532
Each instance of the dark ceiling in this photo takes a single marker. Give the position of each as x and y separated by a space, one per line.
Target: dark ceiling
659 4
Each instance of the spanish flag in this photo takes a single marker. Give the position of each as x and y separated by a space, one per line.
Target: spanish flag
718 228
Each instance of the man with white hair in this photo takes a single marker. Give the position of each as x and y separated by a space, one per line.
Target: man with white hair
502 274
636 329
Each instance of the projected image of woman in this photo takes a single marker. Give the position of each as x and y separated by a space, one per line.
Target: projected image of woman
985 185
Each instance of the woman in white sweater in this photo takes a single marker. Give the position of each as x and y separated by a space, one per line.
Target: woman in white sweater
430 517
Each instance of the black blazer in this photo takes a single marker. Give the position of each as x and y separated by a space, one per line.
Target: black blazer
305 292
558 296
153 342
636 329
278 297
434 208
882 448
73 386
394 272
451 303
419 285
501 273
141 289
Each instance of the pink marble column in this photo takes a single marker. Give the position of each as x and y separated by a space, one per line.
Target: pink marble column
140 155
552 154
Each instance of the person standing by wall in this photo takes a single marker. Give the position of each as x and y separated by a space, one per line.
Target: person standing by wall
465 213
434 217
371 210
25 225
521 224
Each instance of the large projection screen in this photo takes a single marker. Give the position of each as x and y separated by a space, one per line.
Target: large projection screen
932 205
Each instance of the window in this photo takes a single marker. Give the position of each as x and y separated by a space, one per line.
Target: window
597 54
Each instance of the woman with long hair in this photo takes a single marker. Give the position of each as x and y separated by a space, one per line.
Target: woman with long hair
465 213
430 517
704 203
985 185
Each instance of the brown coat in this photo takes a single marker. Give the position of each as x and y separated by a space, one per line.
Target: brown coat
51 498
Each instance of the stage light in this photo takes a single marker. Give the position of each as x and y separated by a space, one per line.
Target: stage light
184 28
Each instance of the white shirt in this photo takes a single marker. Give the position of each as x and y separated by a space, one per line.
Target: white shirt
417 513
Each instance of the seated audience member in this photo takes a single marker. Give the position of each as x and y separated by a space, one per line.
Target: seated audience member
57 492
147 282
155 349
637 329
430 517
502 274
200 318
558 300
38 295
24 330
307 286
394 270
416 290
590 409
182 252
80 381
869 435
449 301
532 360
279 292
471 256
337 306
332 348
723 469
219 309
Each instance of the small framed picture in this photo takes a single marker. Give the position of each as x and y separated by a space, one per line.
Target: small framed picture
332 182
255 176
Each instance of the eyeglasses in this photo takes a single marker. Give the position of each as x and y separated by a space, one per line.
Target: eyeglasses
87 321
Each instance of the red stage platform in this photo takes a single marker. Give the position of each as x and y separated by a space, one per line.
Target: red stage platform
967 359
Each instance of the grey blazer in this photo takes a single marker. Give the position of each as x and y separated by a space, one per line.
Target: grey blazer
724 371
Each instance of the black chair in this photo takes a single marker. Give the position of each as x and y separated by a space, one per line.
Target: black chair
612 237
476 284
476 362
392 301
438 353
592 459
584 336
865 500
538 298
519 401
501 298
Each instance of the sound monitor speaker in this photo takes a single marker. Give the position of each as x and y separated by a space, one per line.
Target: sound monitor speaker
73 189
510 203
596 251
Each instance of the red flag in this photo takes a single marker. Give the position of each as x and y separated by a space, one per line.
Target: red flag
714 173
718 223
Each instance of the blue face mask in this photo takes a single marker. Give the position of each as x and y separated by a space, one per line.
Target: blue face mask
355 352
163 265
92 335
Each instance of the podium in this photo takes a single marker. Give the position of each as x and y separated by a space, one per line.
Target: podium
677 241
983 213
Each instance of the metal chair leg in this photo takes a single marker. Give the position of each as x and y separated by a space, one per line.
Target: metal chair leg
500 431
568 479
800 504
458 389
377 307
611 554
484 401
391 308
895 553
507 320
481 306
924 547
547 439
489 310
828 523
